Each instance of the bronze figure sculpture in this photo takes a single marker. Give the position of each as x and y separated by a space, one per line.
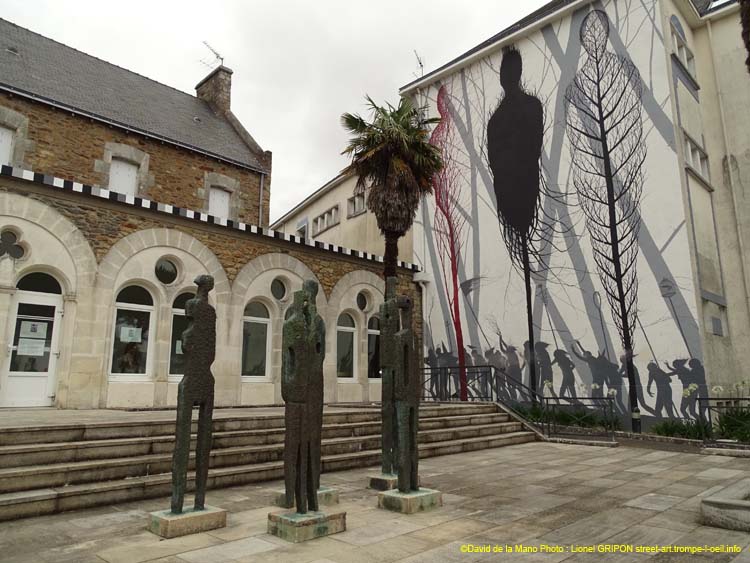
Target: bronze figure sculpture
302 391
401 391
195 389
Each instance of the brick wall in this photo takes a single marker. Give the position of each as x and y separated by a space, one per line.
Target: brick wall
67 146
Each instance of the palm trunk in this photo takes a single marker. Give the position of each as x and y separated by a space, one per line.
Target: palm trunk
390 259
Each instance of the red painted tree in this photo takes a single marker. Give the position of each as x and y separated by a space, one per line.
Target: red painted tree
449 223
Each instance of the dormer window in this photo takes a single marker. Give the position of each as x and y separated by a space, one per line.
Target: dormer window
123 177
6 145
218 202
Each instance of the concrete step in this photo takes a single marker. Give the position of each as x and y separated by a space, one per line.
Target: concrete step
58 452
59 499
21 478
18 435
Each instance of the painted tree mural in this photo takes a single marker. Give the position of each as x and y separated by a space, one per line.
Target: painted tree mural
449 223
745 19
515 134
605 131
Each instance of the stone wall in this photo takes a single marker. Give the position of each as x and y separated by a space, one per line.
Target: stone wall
69 146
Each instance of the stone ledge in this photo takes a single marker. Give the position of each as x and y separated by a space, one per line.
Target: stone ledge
294 527
409 503
729 508
384 482
168 525
326 497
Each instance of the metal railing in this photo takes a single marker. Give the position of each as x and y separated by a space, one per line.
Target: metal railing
581 417
725 419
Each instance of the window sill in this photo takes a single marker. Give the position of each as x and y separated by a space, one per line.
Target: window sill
328 228
357 214
256 379
693 81
346 380
130 378
699 177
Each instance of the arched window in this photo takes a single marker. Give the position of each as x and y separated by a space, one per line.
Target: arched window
40 283
345 349
256 324
373 348
179 325
131 341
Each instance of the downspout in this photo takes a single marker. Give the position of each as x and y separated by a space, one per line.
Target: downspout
260 203
730 171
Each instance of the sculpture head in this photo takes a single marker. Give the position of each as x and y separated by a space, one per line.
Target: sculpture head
511 69
205 283
311 287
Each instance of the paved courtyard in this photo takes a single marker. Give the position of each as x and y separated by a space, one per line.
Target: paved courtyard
531 494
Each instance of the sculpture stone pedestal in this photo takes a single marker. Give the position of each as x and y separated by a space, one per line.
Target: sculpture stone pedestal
326 497
409 503
384 482
295 527
168 525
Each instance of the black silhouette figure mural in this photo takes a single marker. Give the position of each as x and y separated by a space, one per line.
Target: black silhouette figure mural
515 134
568 385
195 389
303 342
661 380
605 131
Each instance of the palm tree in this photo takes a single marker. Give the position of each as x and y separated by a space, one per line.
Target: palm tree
745 18
394 162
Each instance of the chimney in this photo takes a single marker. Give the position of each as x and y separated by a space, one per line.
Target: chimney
216 89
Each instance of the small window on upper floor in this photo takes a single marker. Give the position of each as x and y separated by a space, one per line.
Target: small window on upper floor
302 232
123 177
683 52
6 145
218 202
326 220
696 158
356 205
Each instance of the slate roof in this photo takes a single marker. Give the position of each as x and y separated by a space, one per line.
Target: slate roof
35 66
702 6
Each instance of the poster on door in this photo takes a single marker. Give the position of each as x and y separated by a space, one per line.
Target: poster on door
30 347
33 329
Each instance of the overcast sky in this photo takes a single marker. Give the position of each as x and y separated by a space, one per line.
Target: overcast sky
298 65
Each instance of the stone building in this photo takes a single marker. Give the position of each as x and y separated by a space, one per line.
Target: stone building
674 97
115 193
337 215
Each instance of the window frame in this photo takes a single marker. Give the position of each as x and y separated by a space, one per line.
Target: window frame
215 188
373 332
355 352
679 44
691 145
335 219
352 210
174 377
136 166
268 322
150 352
12 147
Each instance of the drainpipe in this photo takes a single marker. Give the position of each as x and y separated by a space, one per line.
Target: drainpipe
730 172
260 203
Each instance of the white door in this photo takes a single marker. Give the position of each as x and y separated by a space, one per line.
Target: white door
28 378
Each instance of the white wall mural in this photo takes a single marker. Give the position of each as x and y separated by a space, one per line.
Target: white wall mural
559 224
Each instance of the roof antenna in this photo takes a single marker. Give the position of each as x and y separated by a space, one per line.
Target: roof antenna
421 65
217 57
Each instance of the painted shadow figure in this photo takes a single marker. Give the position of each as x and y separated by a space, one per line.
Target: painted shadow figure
568 386
693 379
515 133
195 389
595 367
663 390
302 391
